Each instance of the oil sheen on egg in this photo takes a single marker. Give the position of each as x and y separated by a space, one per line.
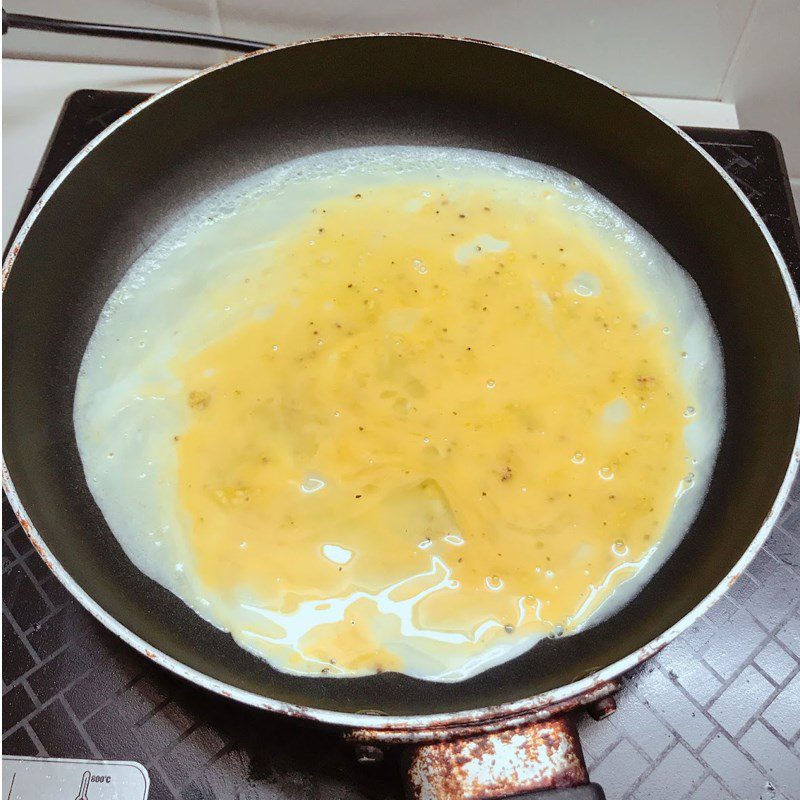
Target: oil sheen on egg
407 409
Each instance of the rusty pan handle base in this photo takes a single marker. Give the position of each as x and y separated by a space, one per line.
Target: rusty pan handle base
541 760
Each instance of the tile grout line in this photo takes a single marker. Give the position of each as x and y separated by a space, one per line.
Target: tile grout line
9 619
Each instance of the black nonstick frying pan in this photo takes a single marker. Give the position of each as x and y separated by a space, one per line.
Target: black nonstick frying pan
499 733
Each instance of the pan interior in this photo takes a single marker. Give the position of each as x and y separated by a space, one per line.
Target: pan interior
268 109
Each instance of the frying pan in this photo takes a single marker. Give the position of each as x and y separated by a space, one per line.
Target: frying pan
504 731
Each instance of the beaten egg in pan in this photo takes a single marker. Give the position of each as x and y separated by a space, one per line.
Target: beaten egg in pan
401 409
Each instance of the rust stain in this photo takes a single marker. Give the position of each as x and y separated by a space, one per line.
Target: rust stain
478 723
151 655
35 541
37 545
10 259
543 755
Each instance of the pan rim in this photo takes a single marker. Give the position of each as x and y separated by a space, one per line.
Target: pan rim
560 694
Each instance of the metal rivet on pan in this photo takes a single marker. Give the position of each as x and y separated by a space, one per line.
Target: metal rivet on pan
602 708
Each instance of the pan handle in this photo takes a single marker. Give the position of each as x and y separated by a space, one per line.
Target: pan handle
51 25
541 760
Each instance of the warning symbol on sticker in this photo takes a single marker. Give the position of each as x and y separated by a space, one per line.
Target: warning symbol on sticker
83 794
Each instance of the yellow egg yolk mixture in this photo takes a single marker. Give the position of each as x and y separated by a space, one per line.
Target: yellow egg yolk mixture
453 424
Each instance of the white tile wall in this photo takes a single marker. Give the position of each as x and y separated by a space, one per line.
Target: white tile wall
680 48
764 78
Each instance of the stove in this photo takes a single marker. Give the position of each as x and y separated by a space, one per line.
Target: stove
716 715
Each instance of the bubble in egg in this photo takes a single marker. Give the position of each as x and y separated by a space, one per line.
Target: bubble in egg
401 409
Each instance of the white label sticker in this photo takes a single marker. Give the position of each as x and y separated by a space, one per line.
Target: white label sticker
27 778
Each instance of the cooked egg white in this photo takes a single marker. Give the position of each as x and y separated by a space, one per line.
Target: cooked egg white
406 409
